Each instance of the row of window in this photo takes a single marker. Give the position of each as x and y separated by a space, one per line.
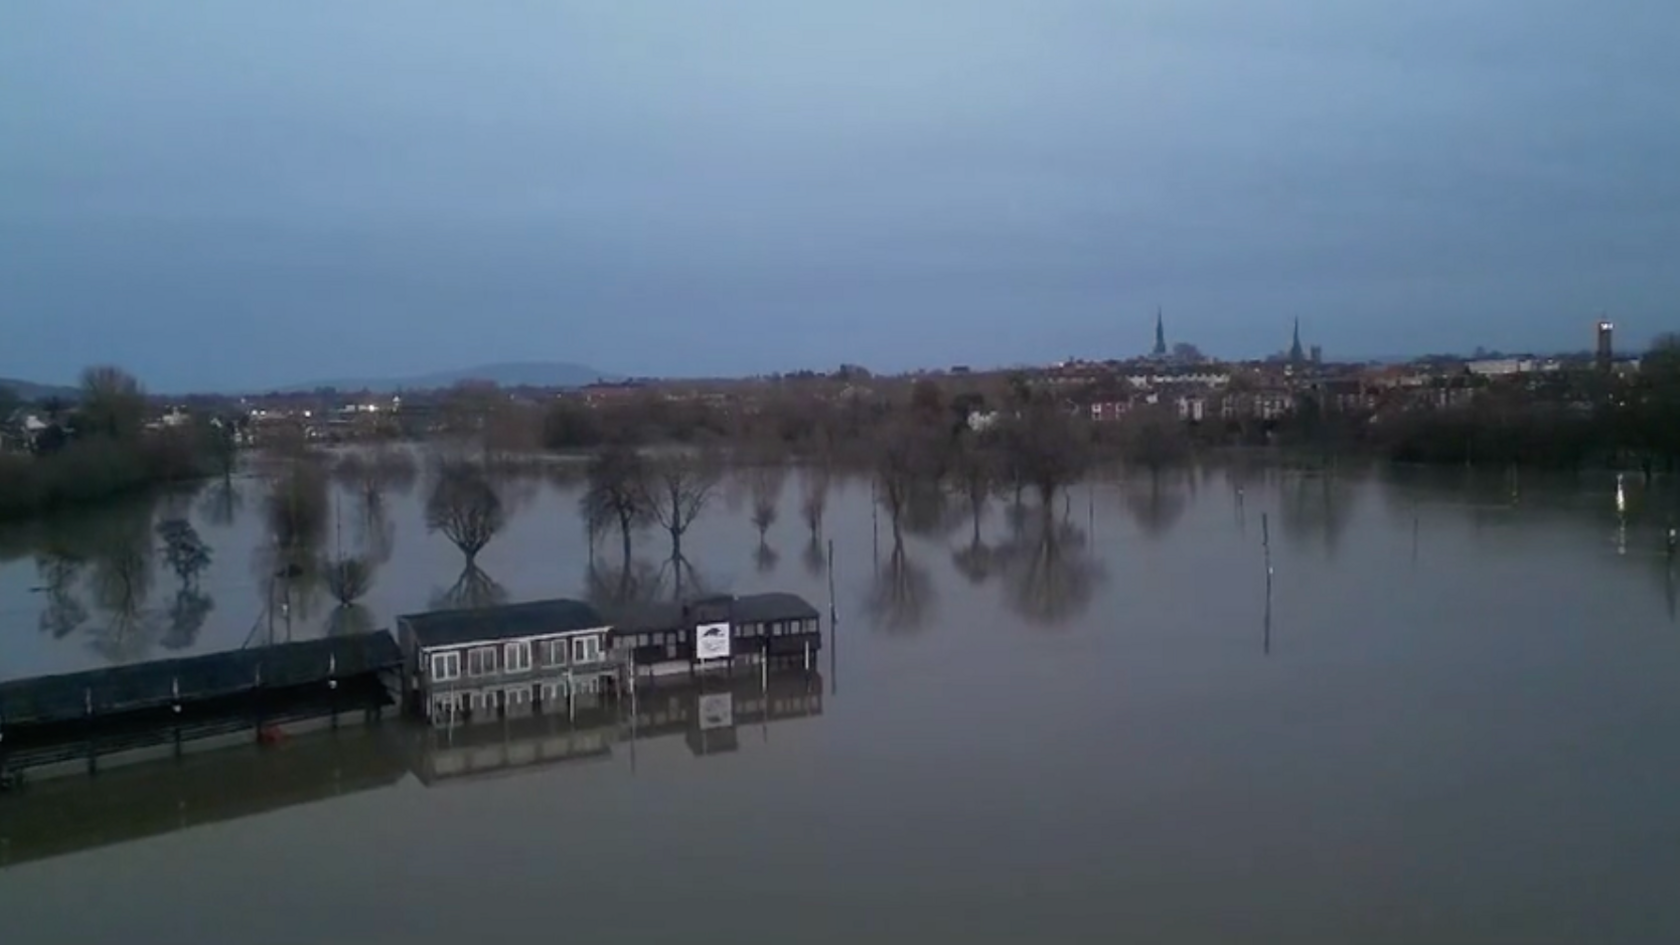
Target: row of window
513 698
780 628
515 657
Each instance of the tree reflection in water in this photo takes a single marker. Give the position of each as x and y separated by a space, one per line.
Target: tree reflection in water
60 569
1315 506
631 581
472 589
900 594
1156 502
1049 574
221 503
815 556
121 577
975 561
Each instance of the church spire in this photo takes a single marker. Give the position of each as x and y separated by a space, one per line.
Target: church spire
1160 334
1295 353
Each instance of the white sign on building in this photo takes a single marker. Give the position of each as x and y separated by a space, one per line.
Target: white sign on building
717 710
711 641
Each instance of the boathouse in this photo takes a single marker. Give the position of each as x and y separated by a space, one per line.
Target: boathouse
162 706
489 662
721 632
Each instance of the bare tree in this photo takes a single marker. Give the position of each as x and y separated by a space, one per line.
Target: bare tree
464 506
1155 438
974 476
676 488
221 445
766 487
813 502
113 403
903 462
1047 447
616 493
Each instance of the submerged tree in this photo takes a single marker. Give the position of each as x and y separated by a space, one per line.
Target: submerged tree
465 506
766 491
615 494
904 462
1046 447
676 488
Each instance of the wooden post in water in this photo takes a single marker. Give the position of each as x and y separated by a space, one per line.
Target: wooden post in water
175 708
92 733
332 688
833 625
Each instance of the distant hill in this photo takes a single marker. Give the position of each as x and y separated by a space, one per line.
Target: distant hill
511 374
28 390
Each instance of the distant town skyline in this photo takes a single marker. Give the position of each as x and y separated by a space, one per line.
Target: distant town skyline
239 196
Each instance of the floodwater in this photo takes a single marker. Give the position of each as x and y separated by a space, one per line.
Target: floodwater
1454 718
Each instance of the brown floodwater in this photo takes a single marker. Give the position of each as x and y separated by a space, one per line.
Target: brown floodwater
1455 717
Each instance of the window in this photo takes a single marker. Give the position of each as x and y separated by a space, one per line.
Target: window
554 652
516 657
446 666
481 661
586 649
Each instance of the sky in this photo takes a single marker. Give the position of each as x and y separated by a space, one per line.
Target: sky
232 195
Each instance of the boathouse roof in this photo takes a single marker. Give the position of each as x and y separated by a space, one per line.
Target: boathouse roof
506 622
70 696
654 617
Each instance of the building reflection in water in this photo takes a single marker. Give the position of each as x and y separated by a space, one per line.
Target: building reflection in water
706 712
57 816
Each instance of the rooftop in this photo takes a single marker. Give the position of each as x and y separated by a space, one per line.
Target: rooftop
506 622
750 608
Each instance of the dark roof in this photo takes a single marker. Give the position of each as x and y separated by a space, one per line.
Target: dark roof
509 621
141 685
654 617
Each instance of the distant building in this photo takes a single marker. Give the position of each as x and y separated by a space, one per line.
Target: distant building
1296 354
1160 335
1606 353
1317 354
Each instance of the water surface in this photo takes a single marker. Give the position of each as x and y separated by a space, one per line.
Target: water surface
1454 718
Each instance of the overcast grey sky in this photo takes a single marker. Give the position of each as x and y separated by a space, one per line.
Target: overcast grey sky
228 194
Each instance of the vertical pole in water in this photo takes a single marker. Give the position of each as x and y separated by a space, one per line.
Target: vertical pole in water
332 688
874 522
92 735
175 709
833 620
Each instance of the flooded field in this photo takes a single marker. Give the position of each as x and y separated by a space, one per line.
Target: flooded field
1453 717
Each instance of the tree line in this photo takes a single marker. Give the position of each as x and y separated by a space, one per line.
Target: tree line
101 447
